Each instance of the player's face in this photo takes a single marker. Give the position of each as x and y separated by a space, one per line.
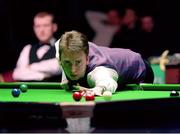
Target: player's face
44 28
74 64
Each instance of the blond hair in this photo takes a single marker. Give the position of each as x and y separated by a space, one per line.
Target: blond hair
73 41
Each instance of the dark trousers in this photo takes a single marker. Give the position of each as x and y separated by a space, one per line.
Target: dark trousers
149 76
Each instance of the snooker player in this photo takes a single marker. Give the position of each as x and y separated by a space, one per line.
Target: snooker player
97 68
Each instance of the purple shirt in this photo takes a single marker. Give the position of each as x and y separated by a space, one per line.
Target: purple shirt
128 64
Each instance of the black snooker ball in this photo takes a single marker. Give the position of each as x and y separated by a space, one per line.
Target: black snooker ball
174 93
23 88
15 92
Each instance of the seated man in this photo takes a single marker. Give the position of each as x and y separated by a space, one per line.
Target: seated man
37 62
99 68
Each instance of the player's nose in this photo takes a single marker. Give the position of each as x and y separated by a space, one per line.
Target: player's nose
74 70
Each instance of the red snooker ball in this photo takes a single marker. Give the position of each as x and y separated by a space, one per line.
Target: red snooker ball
89 97
77 96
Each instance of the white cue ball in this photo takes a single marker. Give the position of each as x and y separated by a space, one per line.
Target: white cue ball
107 95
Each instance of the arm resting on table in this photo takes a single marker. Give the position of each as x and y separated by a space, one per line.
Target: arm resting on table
103 79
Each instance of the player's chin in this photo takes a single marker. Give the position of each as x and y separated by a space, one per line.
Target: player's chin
74 78
43 38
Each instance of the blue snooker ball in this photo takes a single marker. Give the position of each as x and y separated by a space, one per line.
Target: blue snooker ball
15 92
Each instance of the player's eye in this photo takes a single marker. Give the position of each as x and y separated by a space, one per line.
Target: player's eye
67 63
78 62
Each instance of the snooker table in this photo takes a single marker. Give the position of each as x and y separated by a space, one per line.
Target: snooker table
47 107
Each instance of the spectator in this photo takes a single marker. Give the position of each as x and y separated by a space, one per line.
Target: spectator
147 24
37 61
149 37
130 19
128 37
104 25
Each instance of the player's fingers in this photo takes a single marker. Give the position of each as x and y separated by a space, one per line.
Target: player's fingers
97 93
79 88
91 92
64 85
64 82
83 93
83 89
76 88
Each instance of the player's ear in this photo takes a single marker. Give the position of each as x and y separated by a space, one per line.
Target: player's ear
55 27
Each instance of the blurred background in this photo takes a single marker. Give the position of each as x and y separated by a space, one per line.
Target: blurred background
17 19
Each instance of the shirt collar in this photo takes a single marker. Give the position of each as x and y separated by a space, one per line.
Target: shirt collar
51 42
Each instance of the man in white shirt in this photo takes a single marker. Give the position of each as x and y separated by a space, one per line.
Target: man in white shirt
37 62
97 68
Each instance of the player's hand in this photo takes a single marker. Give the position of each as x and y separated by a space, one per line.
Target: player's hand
65 85
98 91
84 90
